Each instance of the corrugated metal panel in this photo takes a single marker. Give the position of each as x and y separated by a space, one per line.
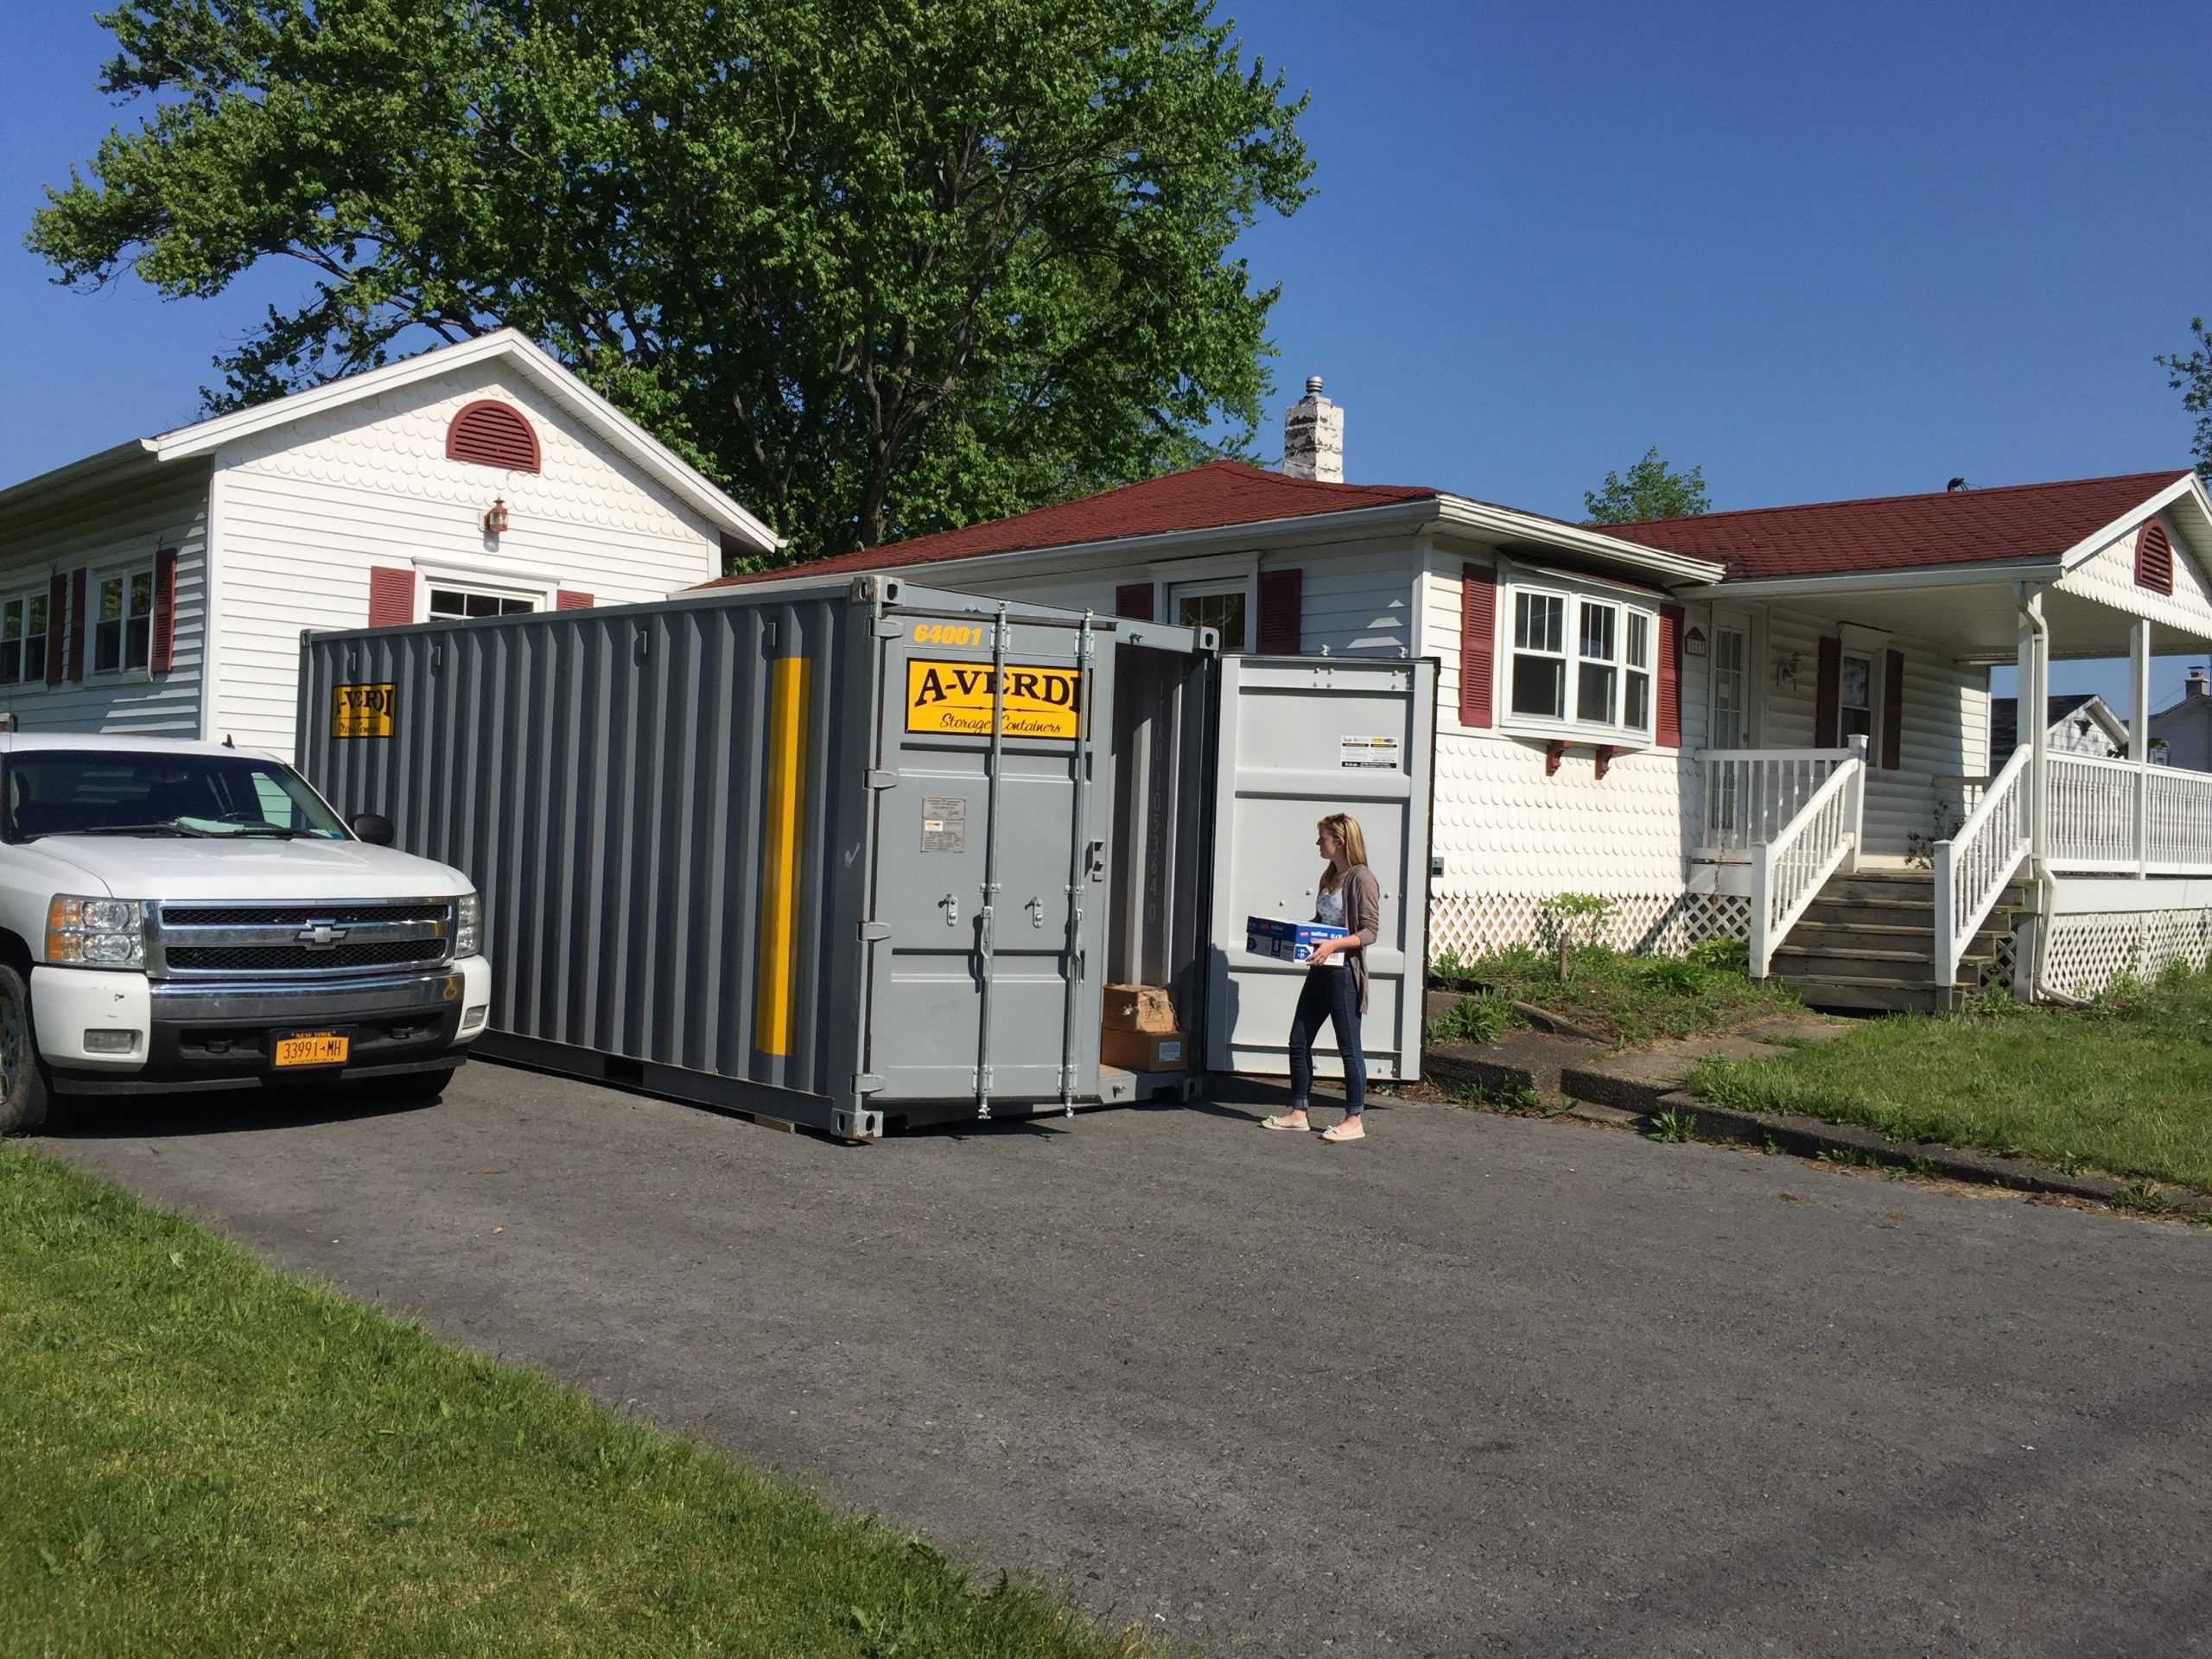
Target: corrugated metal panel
607 779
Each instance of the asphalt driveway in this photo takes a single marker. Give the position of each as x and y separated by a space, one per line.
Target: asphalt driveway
1481 1385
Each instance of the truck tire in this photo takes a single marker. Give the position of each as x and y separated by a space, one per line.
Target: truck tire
418 1085
23 1095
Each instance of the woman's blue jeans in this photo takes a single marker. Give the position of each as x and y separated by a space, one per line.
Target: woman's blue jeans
1328 994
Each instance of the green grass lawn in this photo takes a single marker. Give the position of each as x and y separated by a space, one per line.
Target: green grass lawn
1628 999
2125 1087
203 1457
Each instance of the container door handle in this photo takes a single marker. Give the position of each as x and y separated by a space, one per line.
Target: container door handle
950 906
1095 860
1036 909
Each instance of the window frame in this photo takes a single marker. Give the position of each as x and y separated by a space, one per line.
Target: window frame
530 599
1246 587
1572 724
96 583
29 638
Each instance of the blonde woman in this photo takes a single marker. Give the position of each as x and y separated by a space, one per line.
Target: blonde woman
1336 979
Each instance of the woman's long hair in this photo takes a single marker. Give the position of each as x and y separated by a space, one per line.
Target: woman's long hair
1345 829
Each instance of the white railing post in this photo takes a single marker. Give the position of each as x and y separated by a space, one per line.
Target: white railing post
2142 804
1947 950
1857 809
1761 941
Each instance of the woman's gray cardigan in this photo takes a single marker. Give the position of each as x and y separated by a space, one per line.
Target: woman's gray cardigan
1363 912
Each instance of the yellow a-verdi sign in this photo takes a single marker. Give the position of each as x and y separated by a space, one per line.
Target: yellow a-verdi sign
952 697
363 710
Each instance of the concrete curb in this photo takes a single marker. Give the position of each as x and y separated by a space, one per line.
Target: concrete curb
1808 1137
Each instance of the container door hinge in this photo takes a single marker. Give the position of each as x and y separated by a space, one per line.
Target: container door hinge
866 1083
881 780
874 932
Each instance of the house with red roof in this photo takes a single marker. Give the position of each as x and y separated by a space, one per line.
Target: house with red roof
1772 725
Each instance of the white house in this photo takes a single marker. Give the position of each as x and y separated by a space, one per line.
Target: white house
2184 729
2081 722
1716 721
162 586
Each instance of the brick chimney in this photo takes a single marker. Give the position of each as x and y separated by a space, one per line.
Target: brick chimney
2195 685
1313 436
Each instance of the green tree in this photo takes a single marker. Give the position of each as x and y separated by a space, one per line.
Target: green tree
2191 374
1651 490
879 266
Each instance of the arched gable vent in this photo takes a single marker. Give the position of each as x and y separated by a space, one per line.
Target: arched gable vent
493 434
2154 559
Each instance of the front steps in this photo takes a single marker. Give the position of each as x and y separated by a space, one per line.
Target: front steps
1868 944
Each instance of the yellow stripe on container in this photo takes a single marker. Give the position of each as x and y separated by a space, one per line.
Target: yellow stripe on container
772 1002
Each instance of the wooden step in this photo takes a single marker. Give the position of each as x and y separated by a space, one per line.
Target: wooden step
1903 967
1860 994
1862 936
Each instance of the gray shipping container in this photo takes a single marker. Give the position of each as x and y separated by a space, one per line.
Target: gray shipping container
853 853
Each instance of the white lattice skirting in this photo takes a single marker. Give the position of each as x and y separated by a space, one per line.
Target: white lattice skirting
2089 951
1650 923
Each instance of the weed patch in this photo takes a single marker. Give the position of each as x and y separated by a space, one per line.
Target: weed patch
1626 998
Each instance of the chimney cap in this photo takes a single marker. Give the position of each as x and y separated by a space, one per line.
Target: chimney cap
1313 385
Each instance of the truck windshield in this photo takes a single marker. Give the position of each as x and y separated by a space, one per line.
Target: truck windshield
115 793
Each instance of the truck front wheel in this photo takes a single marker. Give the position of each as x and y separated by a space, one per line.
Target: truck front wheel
22 1074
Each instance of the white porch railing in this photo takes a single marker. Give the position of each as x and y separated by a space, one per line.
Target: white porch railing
1750 794
1974 865
1789 867
2120 817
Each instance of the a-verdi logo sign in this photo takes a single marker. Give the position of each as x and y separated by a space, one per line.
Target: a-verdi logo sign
955 698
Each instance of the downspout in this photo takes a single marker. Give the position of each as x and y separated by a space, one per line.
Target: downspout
2031 701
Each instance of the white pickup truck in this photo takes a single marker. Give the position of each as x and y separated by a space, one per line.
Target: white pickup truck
178 916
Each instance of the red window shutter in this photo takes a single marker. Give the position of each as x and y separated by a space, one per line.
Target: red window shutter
391 596
1281 592
1477 646
1893 711
568 599
57 605
164 651
493 434
2154 558
1828 696
77 623
1134 600
1667 720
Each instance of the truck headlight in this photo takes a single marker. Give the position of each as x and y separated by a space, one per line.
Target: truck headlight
96 932
468 911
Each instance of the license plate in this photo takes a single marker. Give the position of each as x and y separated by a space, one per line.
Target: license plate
313 1048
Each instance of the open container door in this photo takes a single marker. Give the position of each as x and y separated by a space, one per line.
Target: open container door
1300 738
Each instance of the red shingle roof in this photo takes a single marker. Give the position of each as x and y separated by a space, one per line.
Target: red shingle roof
1898 532
1219 492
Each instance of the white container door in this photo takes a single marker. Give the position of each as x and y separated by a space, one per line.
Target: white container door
1301 738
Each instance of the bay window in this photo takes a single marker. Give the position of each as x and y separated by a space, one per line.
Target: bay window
1582 664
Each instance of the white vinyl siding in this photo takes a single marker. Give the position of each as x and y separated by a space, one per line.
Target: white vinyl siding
1945 730
114 535
308 508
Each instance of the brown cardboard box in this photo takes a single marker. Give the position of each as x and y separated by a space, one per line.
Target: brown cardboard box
1143 1051
1139 1008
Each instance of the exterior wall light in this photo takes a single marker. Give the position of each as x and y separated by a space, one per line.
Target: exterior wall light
495 516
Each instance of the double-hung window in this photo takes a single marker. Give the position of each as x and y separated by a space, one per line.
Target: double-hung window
1540 655
1582 664
23 639
122 626
1855 696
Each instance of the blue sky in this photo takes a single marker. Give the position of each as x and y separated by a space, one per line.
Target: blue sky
1820 254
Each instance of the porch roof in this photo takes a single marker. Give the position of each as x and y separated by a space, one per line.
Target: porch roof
1907 532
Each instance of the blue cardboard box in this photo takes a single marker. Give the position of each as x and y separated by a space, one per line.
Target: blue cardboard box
1286 941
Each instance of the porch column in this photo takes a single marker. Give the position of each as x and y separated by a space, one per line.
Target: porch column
2033 703
2138 738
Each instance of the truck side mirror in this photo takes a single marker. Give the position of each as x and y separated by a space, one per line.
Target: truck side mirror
373 828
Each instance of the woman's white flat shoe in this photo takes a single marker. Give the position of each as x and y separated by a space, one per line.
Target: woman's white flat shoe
1350 1129
1286 1124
